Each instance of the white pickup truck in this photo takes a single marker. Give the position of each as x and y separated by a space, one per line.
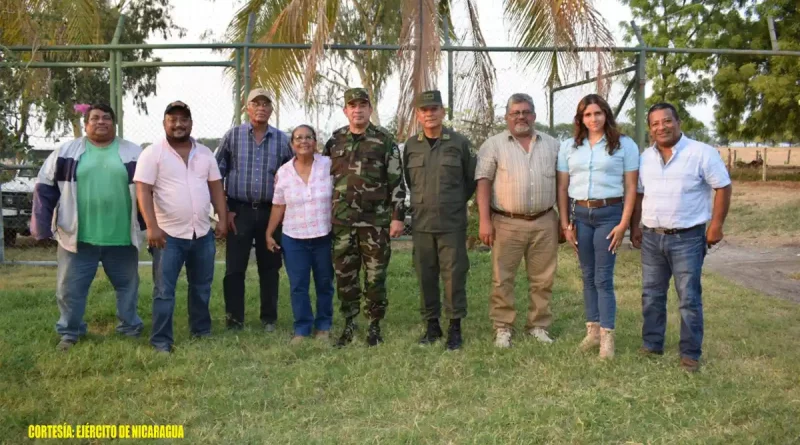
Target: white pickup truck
17 196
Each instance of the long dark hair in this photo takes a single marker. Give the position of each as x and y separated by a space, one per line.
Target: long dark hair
610 127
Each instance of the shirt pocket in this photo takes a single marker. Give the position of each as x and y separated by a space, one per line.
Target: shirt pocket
373 166
416 176
450 170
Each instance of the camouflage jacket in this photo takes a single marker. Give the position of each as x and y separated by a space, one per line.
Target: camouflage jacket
368 187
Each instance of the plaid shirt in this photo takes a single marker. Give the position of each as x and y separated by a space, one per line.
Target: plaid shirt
249 169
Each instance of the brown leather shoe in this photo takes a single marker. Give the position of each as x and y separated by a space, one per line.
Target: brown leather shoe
690 365
649 352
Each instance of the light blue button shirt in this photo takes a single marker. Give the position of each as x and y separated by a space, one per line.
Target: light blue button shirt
593 173
678 194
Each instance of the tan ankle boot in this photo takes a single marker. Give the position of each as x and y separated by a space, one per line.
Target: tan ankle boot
606 343
592 338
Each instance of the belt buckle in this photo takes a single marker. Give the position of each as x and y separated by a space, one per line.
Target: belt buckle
254 205
590 204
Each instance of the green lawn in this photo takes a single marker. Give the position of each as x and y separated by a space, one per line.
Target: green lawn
252 388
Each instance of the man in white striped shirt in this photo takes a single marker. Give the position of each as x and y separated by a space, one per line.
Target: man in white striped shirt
516 176
676 178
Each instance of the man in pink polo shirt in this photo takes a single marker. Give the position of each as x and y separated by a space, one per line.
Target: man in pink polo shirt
177 179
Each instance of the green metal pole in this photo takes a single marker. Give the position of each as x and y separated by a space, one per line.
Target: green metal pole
112 79
450 85
248 36
641 76
237 88
119 96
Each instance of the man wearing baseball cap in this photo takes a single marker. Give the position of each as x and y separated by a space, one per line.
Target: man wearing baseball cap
368 209
248 157
177 180
439 168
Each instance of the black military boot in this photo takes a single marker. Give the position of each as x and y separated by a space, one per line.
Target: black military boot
432 333
374 334
454 339
347 333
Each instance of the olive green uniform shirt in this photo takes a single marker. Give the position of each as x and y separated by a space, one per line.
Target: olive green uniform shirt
441 179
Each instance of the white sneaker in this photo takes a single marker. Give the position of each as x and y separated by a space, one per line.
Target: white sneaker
502 338
541 335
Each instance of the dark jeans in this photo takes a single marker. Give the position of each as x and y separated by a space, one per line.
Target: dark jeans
251 224
663 257
303 257
198 255
597 263
76 271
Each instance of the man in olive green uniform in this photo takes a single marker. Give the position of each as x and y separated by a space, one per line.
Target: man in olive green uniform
439 168
368 209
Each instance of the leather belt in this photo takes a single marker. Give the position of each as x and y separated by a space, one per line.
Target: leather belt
252 205
597 203
662 231
524 216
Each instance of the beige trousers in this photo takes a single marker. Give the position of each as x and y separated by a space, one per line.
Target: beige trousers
537 242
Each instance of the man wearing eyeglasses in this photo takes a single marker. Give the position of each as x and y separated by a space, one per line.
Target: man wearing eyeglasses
248 158
516 195
85 199
177 179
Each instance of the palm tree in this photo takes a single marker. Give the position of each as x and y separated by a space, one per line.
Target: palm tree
309 74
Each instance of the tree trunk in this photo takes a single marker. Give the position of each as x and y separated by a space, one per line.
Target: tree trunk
76 127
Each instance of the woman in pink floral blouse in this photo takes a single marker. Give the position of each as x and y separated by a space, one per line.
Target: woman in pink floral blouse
302 201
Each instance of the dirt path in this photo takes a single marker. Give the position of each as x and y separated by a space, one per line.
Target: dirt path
767 269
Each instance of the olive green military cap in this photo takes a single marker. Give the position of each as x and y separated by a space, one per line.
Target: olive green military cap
428 98
356 94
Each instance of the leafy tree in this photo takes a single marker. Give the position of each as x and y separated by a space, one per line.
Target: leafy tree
758 98
681 79
48 95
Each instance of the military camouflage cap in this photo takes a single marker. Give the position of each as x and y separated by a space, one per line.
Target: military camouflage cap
356 94
428 98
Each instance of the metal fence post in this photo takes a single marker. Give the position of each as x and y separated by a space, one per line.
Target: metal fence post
119 95
248 37
641 75
2 229
237 88
450 86
552 109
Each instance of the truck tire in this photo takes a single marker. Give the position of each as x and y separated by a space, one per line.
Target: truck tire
10 237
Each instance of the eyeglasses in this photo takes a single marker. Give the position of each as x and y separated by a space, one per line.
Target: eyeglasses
261 104
523 113
304 138
183 120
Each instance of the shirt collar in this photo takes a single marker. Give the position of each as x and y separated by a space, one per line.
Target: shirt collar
510 137
270 128
445 135
680 145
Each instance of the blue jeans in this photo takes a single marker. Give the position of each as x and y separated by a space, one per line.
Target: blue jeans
198 254
76 271
663 257
597 263
302 257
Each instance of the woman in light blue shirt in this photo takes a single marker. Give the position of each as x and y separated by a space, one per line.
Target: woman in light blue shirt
597 176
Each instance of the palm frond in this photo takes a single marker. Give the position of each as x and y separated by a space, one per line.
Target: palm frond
475 92
419 59
570 23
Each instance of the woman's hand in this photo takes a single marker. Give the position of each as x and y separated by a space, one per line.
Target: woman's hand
571 234
272 245
616 236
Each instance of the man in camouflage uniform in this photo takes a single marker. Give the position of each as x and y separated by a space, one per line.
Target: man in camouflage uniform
368 208
439 168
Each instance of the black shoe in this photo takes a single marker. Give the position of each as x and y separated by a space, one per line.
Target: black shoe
347 333
454 339
432 333
374 334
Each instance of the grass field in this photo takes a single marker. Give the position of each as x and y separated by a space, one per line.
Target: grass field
252 388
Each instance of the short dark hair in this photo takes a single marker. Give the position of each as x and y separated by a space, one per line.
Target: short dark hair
663 106
102 107
311 129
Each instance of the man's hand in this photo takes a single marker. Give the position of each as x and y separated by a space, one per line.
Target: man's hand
571 234
714 234
272 245
396 228
156 237
221 231
636 237
486 231
231 222
616 236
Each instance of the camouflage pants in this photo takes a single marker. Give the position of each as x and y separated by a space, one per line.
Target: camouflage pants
352 248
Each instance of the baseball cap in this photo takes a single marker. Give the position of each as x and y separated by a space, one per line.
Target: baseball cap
258 92
178 105
428 98
356 94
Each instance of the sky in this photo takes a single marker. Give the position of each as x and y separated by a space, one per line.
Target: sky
208 91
